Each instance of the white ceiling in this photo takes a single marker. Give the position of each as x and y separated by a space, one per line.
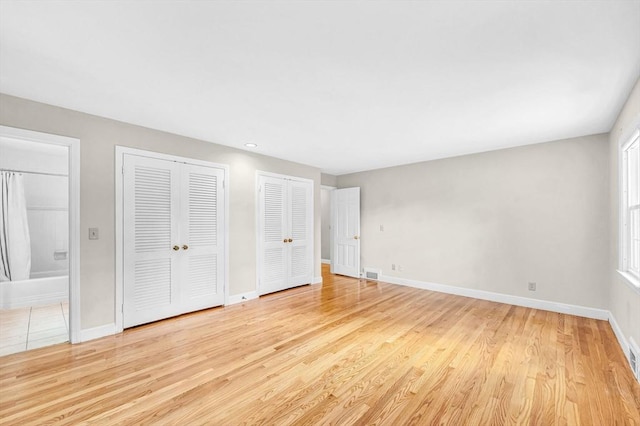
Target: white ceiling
344 86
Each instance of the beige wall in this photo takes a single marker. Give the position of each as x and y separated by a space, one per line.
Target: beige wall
495 221
328 180
624 302
98 138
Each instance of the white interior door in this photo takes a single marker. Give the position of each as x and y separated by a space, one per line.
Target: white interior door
285 233
273 234
173 226
300 230
150 232
202 237
346 232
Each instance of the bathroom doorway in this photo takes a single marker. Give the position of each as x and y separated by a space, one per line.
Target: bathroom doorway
38 258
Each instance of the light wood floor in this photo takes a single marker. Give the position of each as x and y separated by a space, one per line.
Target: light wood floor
345 352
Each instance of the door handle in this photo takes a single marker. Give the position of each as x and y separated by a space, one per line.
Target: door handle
285 241
355 237
176 248
289 240
185 247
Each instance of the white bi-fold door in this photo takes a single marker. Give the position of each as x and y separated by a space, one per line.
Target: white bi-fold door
285 233
173 223
345 226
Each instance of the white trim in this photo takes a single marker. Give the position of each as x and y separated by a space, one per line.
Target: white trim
326 261
281 176
562 308
622 341
242 297
169 157
97 332
630 280
120 151
619 335
625 138
316 280
73 146
327 187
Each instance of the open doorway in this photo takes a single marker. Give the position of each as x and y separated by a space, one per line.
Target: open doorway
325 224
38 240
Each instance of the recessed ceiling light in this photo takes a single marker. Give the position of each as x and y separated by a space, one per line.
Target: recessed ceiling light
251 145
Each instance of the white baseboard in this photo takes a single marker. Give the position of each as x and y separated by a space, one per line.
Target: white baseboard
619 335
562 308
242 297
317 280
622 341
97 332
326 261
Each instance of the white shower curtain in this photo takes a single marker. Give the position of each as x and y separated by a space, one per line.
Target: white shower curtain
15 244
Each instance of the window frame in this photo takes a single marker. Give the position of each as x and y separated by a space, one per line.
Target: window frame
631 277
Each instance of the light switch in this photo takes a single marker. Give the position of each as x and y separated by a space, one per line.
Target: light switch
93 233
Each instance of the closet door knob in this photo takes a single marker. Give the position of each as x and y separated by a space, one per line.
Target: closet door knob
356 237
289 240
285 241
185 247
176 248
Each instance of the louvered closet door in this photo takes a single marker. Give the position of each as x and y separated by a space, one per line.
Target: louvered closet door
202 214
300 226
150 263
273 234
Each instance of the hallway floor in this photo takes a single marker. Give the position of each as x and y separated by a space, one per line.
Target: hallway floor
22 329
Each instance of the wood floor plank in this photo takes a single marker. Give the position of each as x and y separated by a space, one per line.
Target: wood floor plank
345 352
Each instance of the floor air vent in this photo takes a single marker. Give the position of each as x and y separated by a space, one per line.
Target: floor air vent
634 351
371 274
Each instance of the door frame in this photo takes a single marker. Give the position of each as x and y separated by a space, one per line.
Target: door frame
73 146
260 173
120 152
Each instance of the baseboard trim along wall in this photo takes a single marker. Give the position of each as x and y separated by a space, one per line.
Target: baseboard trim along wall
622 341
600 314
562 308
242 297
326 261
97 332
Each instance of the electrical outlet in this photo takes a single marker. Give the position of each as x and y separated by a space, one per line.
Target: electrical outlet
532 286
93 233
400 268
393 266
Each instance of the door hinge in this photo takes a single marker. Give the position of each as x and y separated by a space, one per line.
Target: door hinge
223 184
122 308
122 170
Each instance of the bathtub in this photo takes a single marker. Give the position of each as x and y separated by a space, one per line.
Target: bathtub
34 292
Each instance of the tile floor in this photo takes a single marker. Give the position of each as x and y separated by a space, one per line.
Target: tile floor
34 327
